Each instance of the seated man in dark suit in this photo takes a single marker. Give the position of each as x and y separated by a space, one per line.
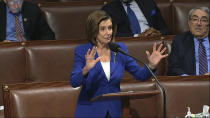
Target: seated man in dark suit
134 17
21 21
190 52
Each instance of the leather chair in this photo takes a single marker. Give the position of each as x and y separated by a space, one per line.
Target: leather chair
165 9
40 100
53 61
58 99
45 61
192 93
50 61
68 19
13 66
181 92
137 48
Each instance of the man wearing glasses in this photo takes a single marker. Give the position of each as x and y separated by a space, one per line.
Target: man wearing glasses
21 21
190 53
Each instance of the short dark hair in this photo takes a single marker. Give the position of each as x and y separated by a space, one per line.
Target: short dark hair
92 24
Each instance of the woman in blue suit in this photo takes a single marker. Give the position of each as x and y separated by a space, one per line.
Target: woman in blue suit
99 70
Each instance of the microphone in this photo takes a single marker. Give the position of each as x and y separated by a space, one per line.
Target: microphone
116 48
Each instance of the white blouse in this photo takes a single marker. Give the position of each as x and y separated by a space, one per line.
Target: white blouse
106 68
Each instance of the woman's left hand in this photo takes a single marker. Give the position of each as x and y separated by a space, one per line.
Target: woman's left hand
156 56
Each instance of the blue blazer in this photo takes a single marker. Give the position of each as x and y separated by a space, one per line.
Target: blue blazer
96 83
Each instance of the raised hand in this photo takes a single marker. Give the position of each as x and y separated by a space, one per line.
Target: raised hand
90 60
156 55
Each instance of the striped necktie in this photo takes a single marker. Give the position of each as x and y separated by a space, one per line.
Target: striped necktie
135 27
203 64
19 29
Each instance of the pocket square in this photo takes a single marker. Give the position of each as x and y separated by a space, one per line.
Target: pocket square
153 12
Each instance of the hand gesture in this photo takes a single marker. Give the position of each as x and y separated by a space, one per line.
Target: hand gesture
156 55
90 60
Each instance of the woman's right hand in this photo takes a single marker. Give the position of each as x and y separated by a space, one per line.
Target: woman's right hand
90 60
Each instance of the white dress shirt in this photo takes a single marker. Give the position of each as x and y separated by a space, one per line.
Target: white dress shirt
140 16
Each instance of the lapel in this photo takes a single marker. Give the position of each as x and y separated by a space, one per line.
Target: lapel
25 17
113 63
190 52
119 6
2 21
98 67
144 8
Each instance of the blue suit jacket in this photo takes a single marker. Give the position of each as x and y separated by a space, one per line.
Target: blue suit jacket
96 83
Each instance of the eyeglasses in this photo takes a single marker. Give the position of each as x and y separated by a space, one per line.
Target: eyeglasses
202 20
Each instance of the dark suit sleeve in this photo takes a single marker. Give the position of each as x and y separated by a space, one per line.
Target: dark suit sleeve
36 27
44 32
119 17
175 58
158 22
2 21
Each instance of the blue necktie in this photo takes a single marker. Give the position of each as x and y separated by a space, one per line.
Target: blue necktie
135 27
203 64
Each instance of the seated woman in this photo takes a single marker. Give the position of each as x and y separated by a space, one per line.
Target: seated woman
99 70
